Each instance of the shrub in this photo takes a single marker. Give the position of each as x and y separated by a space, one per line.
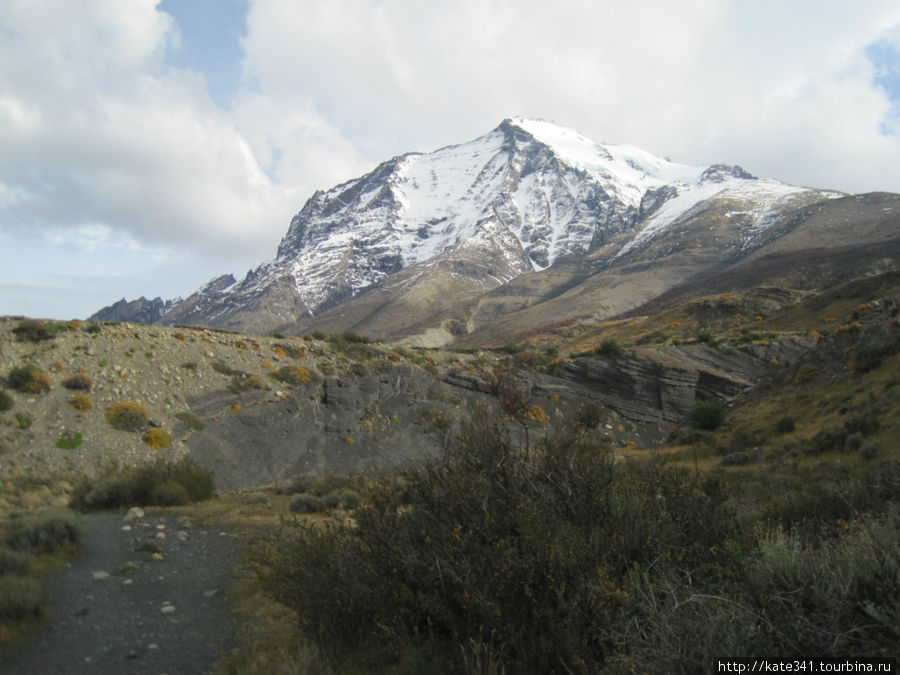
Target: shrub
511 348
22 598
536 413
69 440
607 348
297 375
254 382
863 424
531 552
348 499
169 494
785 425
241 383
93 329
127 416
191 420
81 402
349 337
221 367
79 382
589 415
29 379
6 401
805 373
837 600
306 503
15 562
31 330
23 422
45 532
147 485
157 439
827 440
707 415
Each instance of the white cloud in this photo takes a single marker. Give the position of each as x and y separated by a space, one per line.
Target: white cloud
96 130
107 148
782 87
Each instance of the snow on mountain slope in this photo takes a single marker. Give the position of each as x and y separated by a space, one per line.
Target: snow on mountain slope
518 199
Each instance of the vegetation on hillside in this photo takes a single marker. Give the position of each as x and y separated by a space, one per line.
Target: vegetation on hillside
494 558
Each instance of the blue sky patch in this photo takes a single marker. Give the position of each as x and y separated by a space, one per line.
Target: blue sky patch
210 42
885 57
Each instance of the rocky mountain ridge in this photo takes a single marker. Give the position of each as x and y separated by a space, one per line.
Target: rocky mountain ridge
422 247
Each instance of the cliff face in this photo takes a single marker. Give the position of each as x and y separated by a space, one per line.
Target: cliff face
377 423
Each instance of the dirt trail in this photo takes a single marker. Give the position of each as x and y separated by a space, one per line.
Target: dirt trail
156 616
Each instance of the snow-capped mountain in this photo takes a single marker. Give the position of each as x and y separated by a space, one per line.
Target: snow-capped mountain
470 218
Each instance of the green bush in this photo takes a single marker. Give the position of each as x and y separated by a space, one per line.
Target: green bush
69 440
307 503
707 415
221 367
148 485
349 337
837 600
31 330
45 532
6 401
169 494
12 562
191 420
785 425
527 555
22 598
29 379
607 348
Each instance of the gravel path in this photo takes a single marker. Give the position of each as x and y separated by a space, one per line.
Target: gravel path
163 616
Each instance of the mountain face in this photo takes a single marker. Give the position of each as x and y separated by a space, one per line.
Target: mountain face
432 247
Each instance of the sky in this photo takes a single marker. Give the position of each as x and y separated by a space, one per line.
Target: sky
147 146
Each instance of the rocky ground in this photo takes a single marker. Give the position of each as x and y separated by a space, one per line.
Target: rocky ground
257 410
161 369
148 595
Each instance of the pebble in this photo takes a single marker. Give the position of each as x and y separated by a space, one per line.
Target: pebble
156 556
167 608
100 575
134 513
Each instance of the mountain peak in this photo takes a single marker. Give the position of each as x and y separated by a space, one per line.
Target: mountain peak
474 216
